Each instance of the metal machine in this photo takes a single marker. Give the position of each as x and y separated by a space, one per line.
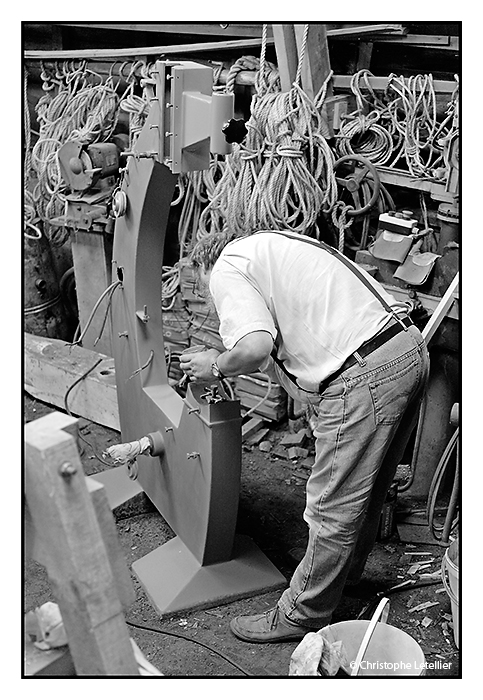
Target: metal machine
191 471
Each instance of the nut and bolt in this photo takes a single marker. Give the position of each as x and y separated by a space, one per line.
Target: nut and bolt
67 470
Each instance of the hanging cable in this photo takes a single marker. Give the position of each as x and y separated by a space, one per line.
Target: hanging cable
110 289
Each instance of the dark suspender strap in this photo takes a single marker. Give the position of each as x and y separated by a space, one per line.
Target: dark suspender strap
349 264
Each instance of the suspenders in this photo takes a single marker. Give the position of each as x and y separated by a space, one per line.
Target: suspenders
353 267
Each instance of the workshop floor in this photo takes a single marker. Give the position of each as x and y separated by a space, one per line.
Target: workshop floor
270 512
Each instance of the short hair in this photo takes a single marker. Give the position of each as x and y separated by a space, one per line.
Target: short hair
208 249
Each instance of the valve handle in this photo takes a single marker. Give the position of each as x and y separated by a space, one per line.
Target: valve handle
235 131
353 182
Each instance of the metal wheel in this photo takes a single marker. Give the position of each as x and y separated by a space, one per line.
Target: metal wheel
353 181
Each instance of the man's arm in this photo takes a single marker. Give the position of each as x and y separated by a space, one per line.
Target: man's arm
249 353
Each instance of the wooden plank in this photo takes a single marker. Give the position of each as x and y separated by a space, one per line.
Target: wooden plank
442 309
343 82
75 555
393 176
245 29
51 368
146 50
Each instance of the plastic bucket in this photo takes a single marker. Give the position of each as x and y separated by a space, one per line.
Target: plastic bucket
450 574
391 652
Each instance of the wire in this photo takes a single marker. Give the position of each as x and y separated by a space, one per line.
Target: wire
108 290
392 591
262 400
188 639
66 406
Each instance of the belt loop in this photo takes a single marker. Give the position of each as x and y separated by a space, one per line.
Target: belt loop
401 321
359 359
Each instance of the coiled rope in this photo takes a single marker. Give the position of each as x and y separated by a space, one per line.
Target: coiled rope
400 129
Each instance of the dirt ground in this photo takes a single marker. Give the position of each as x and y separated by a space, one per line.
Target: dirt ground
199 644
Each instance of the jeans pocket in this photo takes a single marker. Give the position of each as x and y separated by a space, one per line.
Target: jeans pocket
391 393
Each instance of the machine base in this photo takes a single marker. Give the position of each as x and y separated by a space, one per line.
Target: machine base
120 489
175 581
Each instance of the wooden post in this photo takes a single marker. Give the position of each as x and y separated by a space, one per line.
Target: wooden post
287 56
72 548
92 256
316 65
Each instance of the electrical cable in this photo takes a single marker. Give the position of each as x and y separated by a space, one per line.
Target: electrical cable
262 400
148 628
372 604
66 406
109 290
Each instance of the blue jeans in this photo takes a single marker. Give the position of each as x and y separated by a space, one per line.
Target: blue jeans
365 417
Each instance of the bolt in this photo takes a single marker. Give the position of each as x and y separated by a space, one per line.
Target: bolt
169 429
124 334
192 455
67 470
193 410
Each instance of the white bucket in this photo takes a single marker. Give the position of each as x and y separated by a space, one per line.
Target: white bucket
450 574
391 652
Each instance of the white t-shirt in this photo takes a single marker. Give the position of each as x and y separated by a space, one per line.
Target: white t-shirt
316 310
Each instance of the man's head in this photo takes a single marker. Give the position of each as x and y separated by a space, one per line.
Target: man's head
202 259
207 251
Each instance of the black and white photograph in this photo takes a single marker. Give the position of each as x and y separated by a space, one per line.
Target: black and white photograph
242 357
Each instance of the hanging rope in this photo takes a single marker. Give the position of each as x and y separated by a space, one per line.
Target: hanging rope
361 132
282 175
401 128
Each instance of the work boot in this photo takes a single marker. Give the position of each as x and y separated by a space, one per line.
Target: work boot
270 626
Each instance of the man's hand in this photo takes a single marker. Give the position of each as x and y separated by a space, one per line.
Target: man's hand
198 365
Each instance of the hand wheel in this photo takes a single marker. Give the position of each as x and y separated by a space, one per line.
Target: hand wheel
353 181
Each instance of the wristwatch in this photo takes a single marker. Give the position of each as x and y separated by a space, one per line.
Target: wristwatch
217 371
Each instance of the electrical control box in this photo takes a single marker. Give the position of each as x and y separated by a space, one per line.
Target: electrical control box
398 222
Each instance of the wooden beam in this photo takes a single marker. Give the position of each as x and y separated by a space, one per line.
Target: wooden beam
442 309
287 54
343 82
245 29
51 368
74 554
92 258
145 50
316 65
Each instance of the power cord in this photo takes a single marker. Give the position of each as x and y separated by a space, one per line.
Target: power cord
66 406
148 628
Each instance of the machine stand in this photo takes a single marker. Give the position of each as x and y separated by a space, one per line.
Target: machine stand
175 581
